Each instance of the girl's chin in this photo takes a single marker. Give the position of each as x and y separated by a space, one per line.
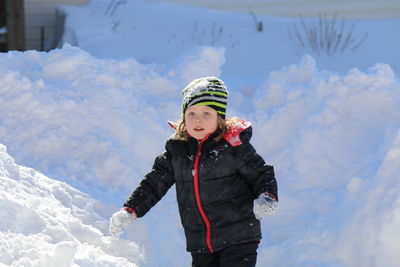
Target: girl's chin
198 135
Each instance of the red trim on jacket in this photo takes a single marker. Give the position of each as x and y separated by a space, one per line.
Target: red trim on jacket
130 210
233 135
197 196
272 196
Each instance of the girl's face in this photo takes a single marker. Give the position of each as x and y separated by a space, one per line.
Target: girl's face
200 121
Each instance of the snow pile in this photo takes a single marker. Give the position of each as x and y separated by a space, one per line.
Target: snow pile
77 117
334 141
378 212
48 223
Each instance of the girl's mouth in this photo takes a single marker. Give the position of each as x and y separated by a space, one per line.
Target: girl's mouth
198 129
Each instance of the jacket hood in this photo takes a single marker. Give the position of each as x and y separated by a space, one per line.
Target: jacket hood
239 132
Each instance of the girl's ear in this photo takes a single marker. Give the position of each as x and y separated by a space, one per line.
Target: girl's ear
172 124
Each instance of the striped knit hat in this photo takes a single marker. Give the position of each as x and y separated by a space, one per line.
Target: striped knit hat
206 91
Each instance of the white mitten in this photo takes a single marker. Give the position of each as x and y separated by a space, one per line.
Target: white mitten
265 204
120 220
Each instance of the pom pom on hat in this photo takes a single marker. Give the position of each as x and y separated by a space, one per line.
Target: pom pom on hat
206 91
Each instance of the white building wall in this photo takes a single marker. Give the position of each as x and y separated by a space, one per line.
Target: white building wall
42 14
350 9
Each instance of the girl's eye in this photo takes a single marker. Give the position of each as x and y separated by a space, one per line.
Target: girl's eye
206 113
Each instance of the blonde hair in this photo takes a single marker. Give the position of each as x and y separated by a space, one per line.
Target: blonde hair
181 133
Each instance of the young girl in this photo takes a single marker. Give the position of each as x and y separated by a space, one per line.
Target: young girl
223 186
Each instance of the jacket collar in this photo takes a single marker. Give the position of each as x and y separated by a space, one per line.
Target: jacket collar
233 135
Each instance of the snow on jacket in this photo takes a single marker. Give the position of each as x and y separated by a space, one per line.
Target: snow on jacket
216 184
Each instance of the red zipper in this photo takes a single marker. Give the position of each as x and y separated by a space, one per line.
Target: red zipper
197 196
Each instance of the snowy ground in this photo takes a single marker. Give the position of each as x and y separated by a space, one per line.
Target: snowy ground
93 118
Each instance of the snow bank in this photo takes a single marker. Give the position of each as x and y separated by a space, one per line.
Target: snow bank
371 237
76 117
334 141
48 223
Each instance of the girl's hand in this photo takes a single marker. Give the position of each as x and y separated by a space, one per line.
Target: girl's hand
265 204
120 220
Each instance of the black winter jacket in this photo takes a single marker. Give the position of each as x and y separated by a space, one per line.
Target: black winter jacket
216 184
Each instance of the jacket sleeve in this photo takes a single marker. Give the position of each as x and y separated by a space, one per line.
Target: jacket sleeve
255 172
153 187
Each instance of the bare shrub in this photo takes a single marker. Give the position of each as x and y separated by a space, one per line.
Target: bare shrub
326 35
